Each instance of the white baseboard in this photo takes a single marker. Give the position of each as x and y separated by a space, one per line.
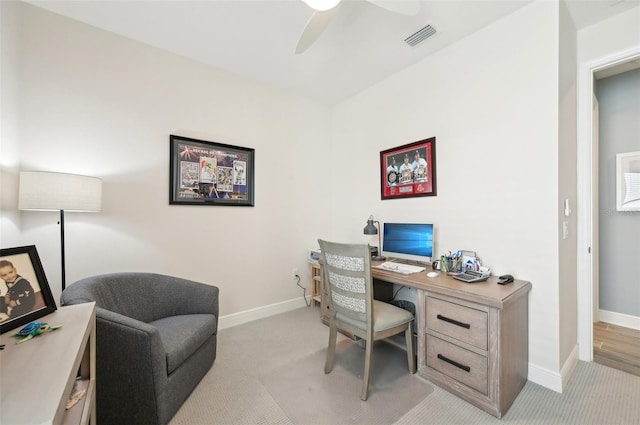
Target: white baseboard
236 319
545 377
619 319
570 365
553 380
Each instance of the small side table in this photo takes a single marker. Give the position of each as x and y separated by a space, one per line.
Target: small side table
38 375
316 284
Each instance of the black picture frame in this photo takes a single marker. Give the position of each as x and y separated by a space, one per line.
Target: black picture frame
210 173
32 300
409 170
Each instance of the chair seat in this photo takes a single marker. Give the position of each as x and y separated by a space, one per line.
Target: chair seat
183 335
385 316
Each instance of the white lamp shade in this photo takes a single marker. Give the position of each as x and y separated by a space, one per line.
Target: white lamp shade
41 190
322 5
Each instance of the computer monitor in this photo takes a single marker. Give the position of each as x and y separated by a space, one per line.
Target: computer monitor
411 241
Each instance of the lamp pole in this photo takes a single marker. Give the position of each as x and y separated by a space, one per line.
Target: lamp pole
62 249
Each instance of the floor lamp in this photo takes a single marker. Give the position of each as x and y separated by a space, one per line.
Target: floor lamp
46 191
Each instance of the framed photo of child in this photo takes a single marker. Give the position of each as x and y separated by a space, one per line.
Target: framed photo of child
24 292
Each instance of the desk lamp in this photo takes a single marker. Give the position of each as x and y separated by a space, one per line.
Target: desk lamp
371 229
45 191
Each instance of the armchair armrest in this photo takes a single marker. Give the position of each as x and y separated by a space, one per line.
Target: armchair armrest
131 362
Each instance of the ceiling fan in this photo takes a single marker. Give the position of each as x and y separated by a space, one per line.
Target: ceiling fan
326 10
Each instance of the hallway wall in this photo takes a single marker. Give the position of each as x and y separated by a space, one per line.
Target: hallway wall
619 231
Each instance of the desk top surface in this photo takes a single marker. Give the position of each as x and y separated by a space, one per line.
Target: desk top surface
487 292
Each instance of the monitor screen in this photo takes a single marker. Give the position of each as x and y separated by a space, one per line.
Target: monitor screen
408 240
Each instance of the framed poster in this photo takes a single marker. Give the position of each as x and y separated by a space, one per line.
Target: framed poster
24 292
409 170
208 173
628 181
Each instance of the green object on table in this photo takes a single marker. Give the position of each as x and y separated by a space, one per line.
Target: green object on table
34 329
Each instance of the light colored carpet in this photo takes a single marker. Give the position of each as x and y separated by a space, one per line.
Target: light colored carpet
233 392
308 395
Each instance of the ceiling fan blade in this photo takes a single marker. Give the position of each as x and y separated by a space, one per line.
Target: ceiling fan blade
316 25
409 8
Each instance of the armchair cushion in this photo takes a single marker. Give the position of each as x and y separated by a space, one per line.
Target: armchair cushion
182 335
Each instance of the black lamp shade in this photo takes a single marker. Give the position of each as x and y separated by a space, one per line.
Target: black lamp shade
370 229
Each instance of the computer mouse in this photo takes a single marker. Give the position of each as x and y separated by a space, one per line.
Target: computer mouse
432 274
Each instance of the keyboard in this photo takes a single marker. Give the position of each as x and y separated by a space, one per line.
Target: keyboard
399 267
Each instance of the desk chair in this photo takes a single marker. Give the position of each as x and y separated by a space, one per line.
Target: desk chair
347 279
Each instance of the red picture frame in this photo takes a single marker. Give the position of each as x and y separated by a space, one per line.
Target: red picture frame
409 170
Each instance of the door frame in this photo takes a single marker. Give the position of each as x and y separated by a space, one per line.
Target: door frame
587 190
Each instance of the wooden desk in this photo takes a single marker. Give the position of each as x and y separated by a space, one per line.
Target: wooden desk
472 337
37 376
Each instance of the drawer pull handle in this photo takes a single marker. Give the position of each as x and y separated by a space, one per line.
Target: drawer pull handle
454 322
455 363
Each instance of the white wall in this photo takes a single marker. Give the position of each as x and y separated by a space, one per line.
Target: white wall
567 189
94 103
610 37
491 101
9 156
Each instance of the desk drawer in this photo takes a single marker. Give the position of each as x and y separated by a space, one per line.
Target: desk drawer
462 365
457 321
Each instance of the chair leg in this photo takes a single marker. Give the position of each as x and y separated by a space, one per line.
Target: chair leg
367 369
331 350
412 359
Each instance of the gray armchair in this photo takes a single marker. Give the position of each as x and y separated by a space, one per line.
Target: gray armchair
155 339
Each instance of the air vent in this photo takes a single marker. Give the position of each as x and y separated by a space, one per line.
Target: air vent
420 35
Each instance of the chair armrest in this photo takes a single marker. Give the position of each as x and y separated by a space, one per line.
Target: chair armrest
131 351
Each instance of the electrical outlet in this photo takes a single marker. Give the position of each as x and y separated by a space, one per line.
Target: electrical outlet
295 274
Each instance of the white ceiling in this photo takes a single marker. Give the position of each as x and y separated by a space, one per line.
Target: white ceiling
363 45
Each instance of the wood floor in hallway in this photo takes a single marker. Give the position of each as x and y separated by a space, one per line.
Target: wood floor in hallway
617 347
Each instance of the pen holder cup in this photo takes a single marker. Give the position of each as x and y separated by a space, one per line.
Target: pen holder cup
447 264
